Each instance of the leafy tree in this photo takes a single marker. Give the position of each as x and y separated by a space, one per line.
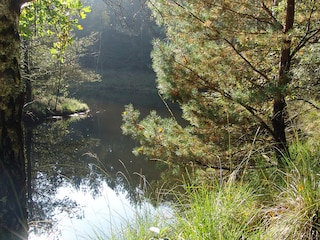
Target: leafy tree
44 30
52 80
233 66
52 18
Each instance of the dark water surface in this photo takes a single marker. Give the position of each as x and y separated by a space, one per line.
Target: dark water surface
83 179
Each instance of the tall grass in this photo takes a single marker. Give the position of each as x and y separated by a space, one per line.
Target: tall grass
264 204
293 210
141 227
46 106
216 212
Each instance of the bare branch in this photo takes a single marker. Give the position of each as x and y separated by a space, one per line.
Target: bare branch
309 102
308 35
304 41
277 24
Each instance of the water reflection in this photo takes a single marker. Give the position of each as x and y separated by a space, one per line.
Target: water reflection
13 212
96 215
79 171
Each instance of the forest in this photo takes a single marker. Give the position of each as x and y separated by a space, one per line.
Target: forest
238 147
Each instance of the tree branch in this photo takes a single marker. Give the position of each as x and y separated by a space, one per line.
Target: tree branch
245 59
309 102
228 42
248 16
304 41
306 38
277 24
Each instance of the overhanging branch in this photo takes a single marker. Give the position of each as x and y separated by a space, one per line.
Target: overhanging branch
228 42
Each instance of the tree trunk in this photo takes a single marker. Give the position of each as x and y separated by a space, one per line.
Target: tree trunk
27 71
279 105
13 214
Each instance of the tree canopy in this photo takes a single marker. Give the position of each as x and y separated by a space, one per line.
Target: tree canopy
59 18
233 67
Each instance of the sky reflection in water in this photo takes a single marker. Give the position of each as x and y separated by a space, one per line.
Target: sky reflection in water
99 215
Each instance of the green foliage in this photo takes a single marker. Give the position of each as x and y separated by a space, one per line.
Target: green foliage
223 63
50 77
46 27
307 73
50 71
164 138
46 18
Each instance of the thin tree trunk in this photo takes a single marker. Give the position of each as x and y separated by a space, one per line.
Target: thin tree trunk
13 214
27 71
279 105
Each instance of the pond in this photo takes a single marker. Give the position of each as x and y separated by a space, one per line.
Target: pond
84 181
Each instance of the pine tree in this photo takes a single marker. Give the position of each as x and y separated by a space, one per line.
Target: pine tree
232 66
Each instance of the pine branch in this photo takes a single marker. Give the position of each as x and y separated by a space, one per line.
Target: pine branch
226 95
249 16
228 42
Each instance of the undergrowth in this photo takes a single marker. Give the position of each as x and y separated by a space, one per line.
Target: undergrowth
262 204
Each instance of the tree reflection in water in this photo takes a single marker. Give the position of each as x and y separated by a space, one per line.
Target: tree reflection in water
67 153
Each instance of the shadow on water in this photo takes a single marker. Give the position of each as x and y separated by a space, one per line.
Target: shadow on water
76 159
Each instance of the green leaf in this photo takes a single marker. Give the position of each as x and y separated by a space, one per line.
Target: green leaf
86 9
83 15
79 27
53 51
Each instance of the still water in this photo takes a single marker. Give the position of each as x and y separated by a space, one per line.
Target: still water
84 182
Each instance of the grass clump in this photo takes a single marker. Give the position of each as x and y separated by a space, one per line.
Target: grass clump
268 203
293 211
216 212
48 106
